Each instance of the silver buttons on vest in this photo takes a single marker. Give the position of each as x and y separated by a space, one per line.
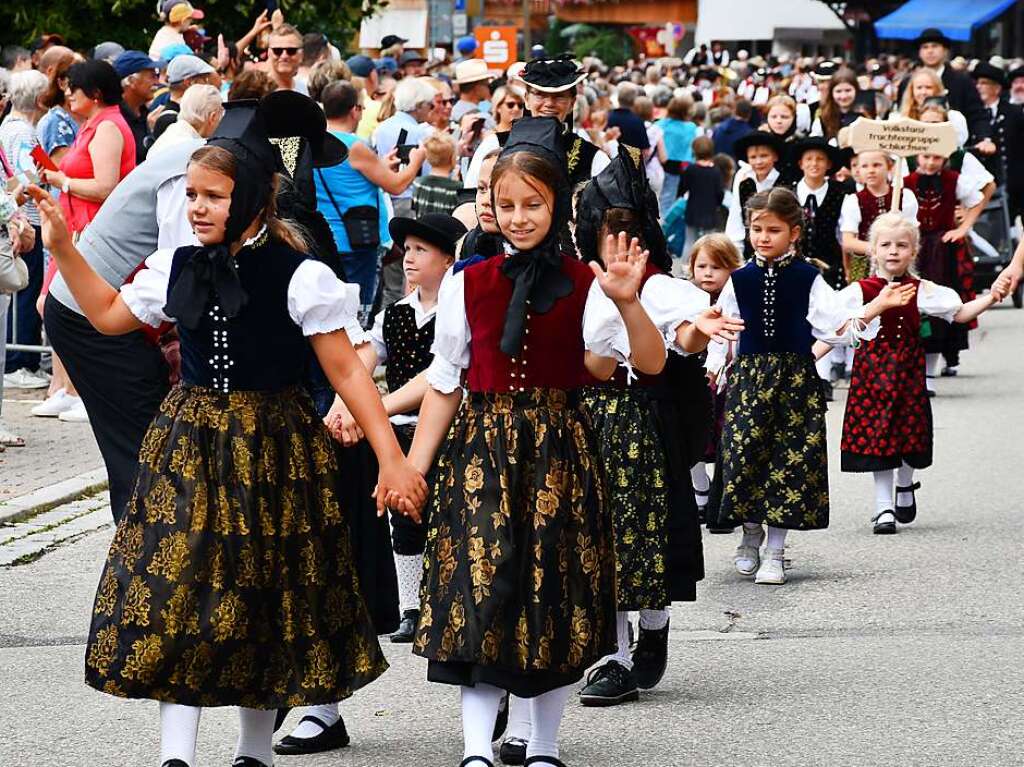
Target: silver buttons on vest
768 311
220 362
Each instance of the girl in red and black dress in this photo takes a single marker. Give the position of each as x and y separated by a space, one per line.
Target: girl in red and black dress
888 421
944 257
519 583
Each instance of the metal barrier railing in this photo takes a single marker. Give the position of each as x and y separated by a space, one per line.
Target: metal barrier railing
12 329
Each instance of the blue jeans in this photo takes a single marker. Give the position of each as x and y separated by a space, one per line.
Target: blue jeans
30 324
361 269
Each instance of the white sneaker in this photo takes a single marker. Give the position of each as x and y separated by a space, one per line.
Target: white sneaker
772 571
75 414
55 404
748 553
26 379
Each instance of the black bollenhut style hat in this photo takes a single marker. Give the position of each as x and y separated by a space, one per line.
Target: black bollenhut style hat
439 229
552 75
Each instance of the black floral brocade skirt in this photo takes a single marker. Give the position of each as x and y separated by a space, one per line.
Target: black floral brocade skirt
230 581
519 571
635 469
773 454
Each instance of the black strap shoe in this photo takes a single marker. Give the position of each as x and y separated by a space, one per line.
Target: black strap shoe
476 761
513 751
609 685
330 738
650 657
884 523
549 761
407 628
174 763
907 514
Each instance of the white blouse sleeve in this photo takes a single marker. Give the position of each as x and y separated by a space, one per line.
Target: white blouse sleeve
451 336
670 302
718 351
828 310
318 302
376 337
849 217
604 332
968 193
973 173
938 301
146 295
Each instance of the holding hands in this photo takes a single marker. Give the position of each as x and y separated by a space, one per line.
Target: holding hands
401 488
342 425
717 326
624 269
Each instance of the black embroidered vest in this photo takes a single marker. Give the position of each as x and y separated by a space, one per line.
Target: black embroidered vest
408 346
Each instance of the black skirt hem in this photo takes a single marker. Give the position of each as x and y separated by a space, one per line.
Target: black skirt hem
521 684
857 463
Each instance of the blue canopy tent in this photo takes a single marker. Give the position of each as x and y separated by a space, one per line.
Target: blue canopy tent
955 18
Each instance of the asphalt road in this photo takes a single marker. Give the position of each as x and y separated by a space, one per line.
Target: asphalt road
902 650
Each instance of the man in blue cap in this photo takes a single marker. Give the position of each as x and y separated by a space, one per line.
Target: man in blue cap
466 48
138 73
363 66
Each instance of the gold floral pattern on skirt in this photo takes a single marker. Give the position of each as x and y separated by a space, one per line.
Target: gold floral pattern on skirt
230 581
519 567
635 468
774 456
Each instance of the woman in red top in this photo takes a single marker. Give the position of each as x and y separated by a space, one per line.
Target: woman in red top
102 154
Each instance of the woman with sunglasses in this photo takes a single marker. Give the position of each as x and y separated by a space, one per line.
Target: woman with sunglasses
509 104
440 116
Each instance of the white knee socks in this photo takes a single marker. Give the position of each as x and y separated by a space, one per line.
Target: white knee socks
518 718
776 538
479 712
326 712
410 570
653 620
904 478
883 491
824 367
546 712
179 727
256 735
621 655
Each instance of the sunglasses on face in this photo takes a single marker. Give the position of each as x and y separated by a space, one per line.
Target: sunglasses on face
450 102
290 50
513 105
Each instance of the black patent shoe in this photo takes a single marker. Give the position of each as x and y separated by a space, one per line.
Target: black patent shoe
328 739
650 657
546 761
407 628
884 523
907 514
248 761
174 763
476 761
610 685
513 751
501 722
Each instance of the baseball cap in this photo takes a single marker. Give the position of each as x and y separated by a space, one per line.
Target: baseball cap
174 50
177 11
131 62
107 51
360 65
409 57
466 45
184 67
388 40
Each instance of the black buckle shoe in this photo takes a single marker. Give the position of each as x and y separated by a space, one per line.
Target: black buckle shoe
884 526
328 739
610 685
650 657
407 628
476 761
513 751
174 763
907 514
548 761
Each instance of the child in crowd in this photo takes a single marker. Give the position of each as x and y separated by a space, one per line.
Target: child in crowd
888 423
713 259
518 516
701 182
438 191
774 458
943 257
761 152
483 240
401 338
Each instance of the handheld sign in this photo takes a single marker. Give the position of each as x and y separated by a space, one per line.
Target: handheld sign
901 137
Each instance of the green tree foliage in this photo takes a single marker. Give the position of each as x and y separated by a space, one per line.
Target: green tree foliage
84 23
610 44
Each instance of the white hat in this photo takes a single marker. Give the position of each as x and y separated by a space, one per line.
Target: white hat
472 71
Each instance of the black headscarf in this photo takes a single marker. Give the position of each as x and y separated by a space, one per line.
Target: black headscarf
623 184
537 273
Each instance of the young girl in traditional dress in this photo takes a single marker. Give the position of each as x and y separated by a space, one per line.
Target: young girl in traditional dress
944 257
888 421
774 456
518 589
713 259
230 580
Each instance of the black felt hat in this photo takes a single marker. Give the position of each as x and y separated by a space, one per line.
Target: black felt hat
439 229
1014 74
932 35
825 70
818 143
552 75
759 138
985 71
287 113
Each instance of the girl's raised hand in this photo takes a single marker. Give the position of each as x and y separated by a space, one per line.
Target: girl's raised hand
621 277
894 295
717 326
55 229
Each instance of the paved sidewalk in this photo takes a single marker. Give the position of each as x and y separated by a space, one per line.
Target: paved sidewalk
55 451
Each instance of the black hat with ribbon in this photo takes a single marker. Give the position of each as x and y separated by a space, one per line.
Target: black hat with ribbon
623 184
537 273
552 75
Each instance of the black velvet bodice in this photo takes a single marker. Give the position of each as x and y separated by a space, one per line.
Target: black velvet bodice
773 303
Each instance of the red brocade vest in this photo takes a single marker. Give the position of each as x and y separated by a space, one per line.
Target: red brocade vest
936 207
552 351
